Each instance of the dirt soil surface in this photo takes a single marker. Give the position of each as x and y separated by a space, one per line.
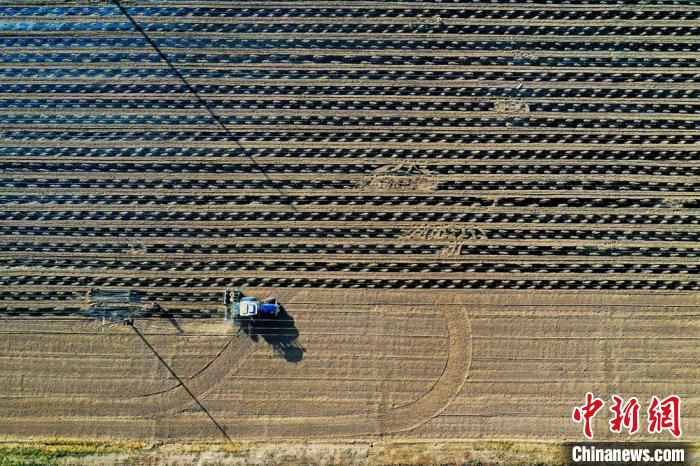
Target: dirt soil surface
473 213
421 365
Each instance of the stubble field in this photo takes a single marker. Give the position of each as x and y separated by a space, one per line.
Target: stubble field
473 213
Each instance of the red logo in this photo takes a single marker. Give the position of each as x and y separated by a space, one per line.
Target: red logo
626 416
662 415
665 415
587 412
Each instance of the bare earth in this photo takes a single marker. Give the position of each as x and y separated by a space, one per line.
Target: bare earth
403 365
473 213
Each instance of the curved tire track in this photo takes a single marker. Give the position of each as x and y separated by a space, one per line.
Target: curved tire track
175 399
399 419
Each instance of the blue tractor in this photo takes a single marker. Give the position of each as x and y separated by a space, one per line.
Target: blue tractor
238 307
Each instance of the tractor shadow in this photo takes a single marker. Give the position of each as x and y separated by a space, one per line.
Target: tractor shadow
278 332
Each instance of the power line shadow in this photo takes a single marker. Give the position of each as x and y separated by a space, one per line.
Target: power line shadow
204 104
181 382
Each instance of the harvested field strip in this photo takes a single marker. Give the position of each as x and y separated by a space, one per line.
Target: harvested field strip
92 30
678 142
177 273
62 97
324 117
505 386
200 260
283 70
316 134
315 182
270 198
302 165
661 149
396 281
340 145
211 19
335 264
592 207
563 86
321 126
322 228
335 373
485 152
254 102
205 304
357 177
54 368
254 8
530 354
341 171
68 48
608 227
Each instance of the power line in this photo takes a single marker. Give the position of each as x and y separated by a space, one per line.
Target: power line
181 383
203 103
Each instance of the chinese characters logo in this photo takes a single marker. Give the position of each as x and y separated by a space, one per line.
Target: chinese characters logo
661 415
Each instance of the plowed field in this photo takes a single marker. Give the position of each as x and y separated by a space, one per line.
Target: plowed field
473 212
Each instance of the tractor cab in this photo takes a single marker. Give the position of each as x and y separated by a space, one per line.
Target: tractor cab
238 307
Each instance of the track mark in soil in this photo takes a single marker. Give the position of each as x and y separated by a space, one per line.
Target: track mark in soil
511 107
404 418
456 235
399 178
